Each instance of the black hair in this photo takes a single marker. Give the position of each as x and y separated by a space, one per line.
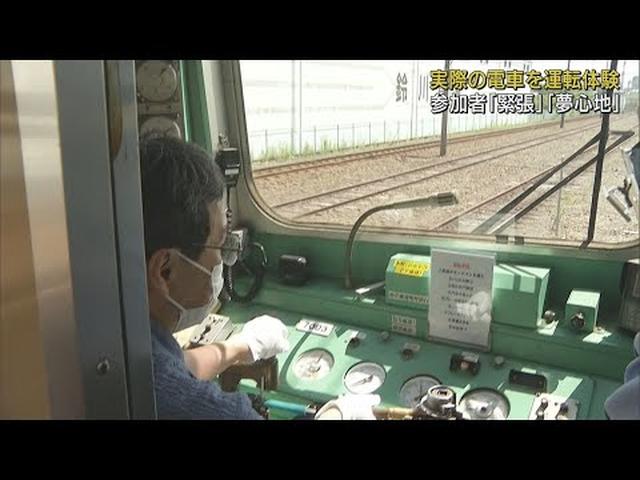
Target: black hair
179 182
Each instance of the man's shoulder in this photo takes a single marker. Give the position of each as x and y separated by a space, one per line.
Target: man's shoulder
181 395
167 361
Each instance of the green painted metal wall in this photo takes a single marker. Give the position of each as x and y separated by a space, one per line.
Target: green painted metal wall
326 258
195 101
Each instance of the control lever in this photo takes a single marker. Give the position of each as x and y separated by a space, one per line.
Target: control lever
264 372
618 196
544 403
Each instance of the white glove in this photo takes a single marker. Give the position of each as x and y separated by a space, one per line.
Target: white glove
266 337
477 308
349 407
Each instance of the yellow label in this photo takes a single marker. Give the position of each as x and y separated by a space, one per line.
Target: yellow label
410 268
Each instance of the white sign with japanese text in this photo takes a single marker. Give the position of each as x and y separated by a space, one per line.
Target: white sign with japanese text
460 297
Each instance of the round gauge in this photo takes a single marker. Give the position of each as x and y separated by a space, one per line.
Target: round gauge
415 388
157 80
313 364
161 125
484 404
365 377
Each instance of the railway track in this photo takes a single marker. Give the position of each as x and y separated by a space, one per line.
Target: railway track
293 167
498 213
325 201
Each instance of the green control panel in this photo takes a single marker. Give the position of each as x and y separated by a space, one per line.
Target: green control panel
534 361
360 353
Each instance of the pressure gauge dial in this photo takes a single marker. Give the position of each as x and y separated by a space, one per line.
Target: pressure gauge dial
313 364
415 388
365 377
484 404
157 80
163 126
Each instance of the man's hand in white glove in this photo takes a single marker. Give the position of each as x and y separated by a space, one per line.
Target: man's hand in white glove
349 407
266 337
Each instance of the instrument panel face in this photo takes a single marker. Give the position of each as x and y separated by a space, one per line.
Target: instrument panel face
161 125
160 103
313 364
364 378
157 80
415 388
326 366
320 367
484 404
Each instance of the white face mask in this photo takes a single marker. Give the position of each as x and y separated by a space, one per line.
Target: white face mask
192 316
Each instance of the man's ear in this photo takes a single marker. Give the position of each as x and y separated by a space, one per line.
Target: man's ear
159 271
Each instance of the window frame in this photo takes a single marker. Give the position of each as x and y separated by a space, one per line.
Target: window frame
223 78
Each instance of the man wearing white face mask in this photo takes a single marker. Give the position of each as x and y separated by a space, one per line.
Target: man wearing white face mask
185 228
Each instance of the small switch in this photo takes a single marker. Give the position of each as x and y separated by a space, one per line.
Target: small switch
409 350
577 321
356 338
549 316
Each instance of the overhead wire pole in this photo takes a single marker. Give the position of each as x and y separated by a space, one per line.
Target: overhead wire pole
597 179
300 107
417 87
562 115
445 116
411 103
556 222
293 105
